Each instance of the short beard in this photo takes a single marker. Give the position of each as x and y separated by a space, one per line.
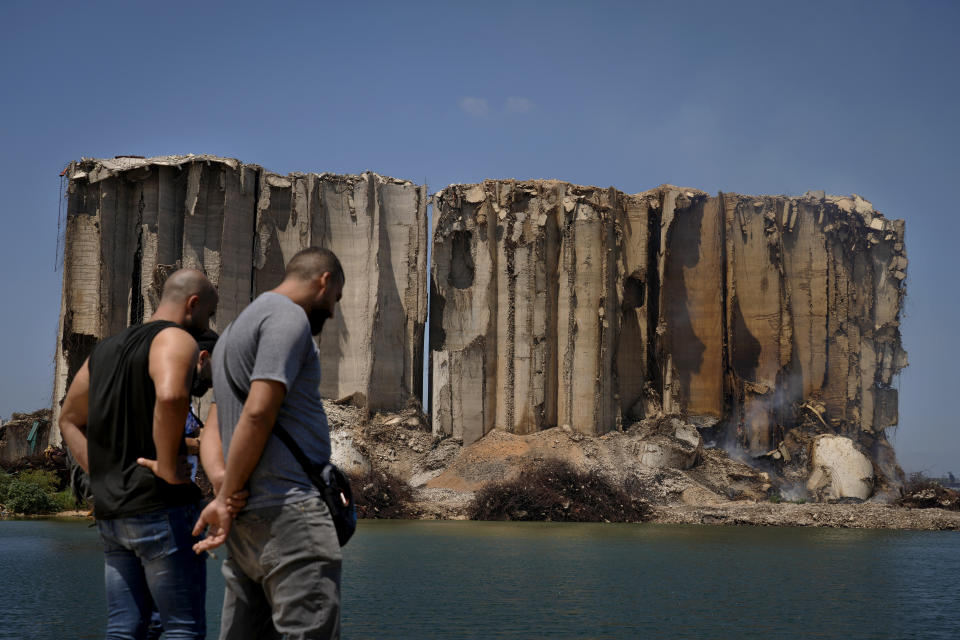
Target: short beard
317 318
200 386
193 330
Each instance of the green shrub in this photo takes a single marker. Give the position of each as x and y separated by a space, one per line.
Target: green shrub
65 500
34 491
5 480
28 498
46 480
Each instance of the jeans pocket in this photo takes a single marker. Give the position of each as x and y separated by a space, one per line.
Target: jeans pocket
151 535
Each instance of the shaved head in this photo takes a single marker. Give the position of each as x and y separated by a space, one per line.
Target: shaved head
184 283
188 299
314 280
313 262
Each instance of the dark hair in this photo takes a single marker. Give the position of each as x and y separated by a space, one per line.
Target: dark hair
313 262
207 340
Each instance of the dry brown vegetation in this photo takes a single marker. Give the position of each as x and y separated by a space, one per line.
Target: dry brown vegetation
556 491
380 494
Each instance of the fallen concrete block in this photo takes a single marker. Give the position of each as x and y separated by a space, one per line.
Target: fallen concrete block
839 470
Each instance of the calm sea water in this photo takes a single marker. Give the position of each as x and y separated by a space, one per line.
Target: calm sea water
538 580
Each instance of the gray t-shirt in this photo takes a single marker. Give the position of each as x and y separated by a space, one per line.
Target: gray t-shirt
271 340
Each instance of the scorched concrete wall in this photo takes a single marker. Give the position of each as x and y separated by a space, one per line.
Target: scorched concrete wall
552 303
556 304
131 220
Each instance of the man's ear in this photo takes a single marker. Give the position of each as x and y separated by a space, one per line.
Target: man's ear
203 358
193 301
323 280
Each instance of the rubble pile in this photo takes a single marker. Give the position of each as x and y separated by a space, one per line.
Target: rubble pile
559 474
24 441
929 495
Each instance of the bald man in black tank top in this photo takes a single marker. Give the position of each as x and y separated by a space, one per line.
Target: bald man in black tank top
123 420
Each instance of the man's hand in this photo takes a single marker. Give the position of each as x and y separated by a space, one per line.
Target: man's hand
193 446
181 473
237 501
216 519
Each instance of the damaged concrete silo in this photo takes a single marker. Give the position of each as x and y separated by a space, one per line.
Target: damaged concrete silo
555 304
130 220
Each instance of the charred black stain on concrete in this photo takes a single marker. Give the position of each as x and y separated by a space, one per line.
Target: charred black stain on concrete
654 219
634 289
745 348
438 336
461 261
682 341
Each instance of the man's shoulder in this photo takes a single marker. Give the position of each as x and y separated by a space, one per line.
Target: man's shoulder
134 332
172 336
265 303
276 307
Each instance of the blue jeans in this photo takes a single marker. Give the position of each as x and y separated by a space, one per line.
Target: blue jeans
149 561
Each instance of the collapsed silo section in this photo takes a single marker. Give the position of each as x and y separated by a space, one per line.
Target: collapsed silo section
555 305
130 221
524 293
814 290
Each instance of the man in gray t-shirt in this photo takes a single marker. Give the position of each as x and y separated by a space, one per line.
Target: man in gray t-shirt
282 571
271 340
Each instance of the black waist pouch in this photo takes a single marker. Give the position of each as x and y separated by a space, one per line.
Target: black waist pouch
333 485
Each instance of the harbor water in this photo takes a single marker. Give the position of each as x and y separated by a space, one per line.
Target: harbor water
412 579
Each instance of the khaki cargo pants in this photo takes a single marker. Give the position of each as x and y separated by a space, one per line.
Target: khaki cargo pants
282 574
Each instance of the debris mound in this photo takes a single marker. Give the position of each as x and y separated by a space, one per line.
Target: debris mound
379 494
556 491
24 439
928 494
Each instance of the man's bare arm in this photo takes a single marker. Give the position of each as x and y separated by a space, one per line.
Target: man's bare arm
246 446
251 434
211 450
173 358
73 416
211 457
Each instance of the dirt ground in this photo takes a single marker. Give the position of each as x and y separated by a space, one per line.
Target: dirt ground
847 516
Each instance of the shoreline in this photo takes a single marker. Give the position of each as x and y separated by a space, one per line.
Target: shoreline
863 515
834 516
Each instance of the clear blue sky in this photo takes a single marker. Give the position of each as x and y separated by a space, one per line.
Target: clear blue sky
755 97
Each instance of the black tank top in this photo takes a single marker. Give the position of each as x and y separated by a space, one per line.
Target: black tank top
120 428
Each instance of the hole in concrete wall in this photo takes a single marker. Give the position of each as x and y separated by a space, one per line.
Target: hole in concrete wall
461 263
633 293
136 292
437 302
